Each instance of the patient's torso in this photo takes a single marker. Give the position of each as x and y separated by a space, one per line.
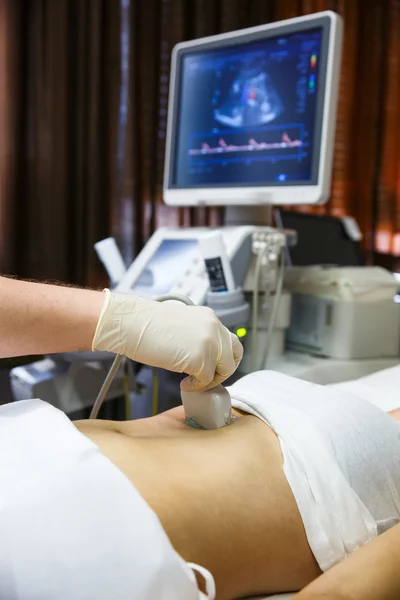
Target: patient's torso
221 496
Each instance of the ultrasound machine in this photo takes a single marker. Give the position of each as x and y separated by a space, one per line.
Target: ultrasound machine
251 125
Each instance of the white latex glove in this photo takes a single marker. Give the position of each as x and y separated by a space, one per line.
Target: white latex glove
170 335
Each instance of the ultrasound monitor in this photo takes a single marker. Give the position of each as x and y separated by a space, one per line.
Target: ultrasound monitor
251 115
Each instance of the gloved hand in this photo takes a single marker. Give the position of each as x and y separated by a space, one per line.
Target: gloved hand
170 335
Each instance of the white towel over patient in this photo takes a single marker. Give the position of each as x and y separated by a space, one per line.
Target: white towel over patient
341 459
72 527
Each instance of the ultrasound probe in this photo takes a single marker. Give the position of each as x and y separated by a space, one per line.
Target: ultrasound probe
211 409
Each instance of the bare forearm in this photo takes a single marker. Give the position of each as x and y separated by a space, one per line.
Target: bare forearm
370 573
38 319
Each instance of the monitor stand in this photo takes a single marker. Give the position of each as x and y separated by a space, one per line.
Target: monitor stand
260 214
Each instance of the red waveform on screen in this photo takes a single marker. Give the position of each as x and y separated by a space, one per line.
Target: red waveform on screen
251 146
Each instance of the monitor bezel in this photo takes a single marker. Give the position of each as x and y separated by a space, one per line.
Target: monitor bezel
315 191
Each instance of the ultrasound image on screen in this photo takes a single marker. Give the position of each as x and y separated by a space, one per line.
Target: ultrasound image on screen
252 100
246 114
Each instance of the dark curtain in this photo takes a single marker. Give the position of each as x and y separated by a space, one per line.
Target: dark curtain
83 113
62 73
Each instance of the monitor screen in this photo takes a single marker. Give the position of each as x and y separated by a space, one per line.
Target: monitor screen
168 263
247 114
